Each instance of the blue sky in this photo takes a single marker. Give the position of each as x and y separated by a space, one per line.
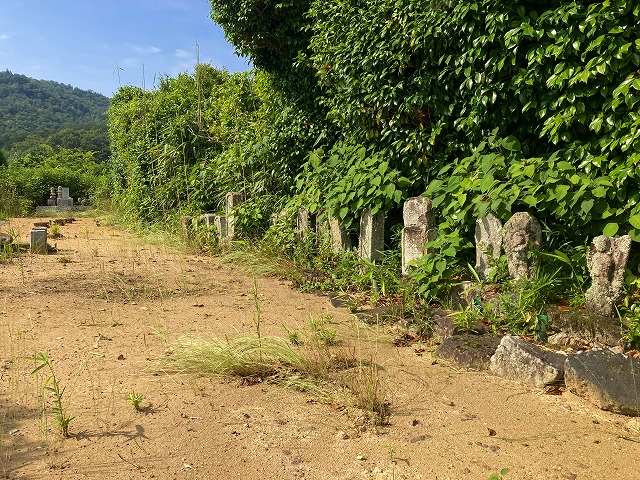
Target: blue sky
101 44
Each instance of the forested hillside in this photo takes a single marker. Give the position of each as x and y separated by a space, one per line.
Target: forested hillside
33 112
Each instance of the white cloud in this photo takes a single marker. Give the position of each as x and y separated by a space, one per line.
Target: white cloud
4 36
145 49
179 53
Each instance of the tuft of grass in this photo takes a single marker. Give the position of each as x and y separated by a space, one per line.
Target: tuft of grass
258 261
239 357
367 385
311 366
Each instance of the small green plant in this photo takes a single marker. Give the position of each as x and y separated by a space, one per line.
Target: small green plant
136 400
499 476
319 326
295 338
54 231
392 450
468 318
52 385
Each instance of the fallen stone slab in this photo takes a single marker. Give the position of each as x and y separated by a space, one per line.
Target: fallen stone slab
520 360
609 380
469 351
575 327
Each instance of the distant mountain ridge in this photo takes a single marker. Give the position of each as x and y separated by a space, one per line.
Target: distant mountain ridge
33 110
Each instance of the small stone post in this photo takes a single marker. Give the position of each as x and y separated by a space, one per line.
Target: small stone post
419 228
303 222
38 242
185 223
371 235
340 239
233 199
209 219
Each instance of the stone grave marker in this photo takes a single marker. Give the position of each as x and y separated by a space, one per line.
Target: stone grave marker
38 243
233 199
371 235
340 239
607 261
419 228
303 221
488 244
522 233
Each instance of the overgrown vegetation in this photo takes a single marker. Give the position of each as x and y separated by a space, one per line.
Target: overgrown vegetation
25 183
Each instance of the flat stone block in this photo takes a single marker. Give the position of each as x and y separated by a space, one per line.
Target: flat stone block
469 351
607 379
38 243
520 360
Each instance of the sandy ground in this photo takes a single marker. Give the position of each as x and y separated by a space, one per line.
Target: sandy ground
107 307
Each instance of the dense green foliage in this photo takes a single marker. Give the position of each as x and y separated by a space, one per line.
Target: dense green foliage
182 147
35 112
25 183
494 106
486 106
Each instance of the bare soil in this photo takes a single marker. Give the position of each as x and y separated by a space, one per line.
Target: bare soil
106 308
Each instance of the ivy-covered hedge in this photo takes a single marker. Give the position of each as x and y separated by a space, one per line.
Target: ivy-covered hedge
493 105
487 106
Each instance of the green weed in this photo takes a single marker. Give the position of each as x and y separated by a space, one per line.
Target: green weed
136 400
499 476
52 385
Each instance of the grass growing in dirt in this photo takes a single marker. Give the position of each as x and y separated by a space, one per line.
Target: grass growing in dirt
310 367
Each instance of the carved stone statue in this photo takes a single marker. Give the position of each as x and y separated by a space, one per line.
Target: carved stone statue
522 234
606 261
488 244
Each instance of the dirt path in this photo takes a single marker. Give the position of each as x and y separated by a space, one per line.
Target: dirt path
107 306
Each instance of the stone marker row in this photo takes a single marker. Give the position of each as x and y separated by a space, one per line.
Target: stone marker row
520 237
223 224
607 258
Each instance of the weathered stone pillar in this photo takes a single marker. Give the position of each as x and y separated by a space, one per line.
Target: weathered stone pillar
488 244
419 228
185 223
522 233
607 261
340 239
220 222
303 220
38 242
371 241
209 219
233 199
